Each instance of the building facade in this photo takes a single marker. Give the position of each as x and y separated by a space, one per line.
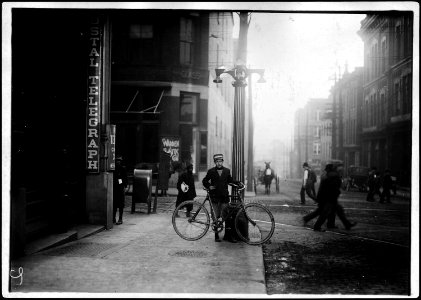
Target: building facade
347 95
99 83
162 83
387 93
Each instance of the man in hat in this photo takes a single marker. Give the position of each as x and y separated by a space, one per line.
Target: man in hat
327 198
119 186
307 185
216 180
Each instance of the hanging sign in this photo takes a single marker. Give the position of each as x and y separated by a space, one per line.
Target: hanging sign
111 130
94 95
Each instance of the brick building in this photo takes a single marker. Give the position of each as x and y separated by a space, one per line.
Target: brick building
387 93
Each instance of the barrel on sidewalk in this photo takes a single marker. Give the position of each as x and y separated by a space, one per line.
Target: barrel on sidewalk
142 189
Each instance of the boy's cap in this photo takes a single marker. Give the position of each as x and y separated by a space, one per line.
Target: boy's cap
217 157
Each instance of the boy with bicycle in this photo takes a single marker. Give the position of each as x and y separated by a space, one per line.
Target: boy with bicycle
216 180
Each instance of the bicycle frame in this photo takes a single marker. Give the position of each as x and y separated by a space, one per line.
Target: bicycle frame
239 205
202 217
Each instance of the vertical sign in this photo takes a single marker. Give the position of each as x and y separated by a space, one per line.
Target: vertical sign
94 96
111 130
169 153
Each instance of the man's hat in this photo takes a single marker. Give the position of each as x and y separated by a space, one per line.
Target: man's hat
305 164
218 157
329 167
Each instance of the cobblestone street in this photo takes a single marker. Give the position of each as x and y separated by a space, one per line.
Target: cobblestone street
373 258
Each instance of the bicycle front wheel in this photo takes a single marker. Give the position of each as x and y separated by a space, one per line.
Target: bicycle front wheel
254 224
191 220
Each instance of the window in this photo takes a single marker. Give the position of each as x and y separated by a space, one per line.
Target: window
317 131
188 107
140 44
138 31
383 65
406 94
186 41
398 42
316 148
382 109
318 115
397 104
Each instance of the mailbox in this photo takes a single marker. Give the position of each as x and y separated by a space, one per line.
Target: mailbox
142 188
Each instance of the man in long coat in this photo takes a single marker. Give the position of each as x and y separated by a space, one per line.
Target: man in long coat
327 197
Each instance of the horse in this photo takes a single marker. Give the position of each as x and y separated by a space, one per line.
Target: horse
268 175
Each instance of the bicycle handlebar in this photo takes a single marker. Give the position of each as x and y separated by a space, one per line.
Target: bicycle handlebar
238 185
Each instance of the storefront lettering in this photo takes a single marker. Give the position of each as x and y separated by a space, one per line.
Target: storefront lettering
171 147
93 109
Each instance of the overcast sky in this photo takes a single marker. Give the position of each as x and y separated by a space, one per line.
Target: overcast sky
300 54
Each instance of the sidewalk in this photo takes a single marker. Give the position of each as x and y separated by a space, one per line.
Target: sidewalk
144 255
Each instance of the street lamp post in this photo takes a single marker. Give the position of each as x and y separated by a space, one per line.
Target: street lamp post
239 73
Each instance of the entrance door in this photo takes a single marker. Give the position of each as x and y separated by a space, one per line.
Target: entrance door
48 116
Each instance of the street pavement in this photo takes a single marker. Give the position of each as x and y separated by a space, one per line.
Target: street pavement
143 257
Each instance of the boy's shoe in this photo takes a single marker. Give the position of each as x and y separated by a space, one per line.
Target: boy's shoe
119 222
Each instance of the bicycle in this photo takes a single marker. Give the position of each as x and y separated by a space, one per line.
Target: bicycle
253 222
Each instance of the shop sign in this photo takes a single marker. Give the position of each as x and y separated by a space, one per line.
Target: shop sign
169 153
111 131
94 96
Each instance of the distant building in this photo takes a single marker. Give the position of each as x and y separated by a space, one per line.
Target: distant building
387 93
347 95
326 136
309 122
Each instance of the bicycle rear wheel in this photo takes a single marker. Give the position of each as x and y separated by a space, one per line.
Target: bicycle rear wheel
191 227
254 224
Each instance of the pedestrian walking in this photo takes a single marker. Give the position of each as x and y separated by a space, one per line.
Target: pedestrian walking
307 187
320 202
186 189
216 180
387 185
119 186
373 183
328 195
